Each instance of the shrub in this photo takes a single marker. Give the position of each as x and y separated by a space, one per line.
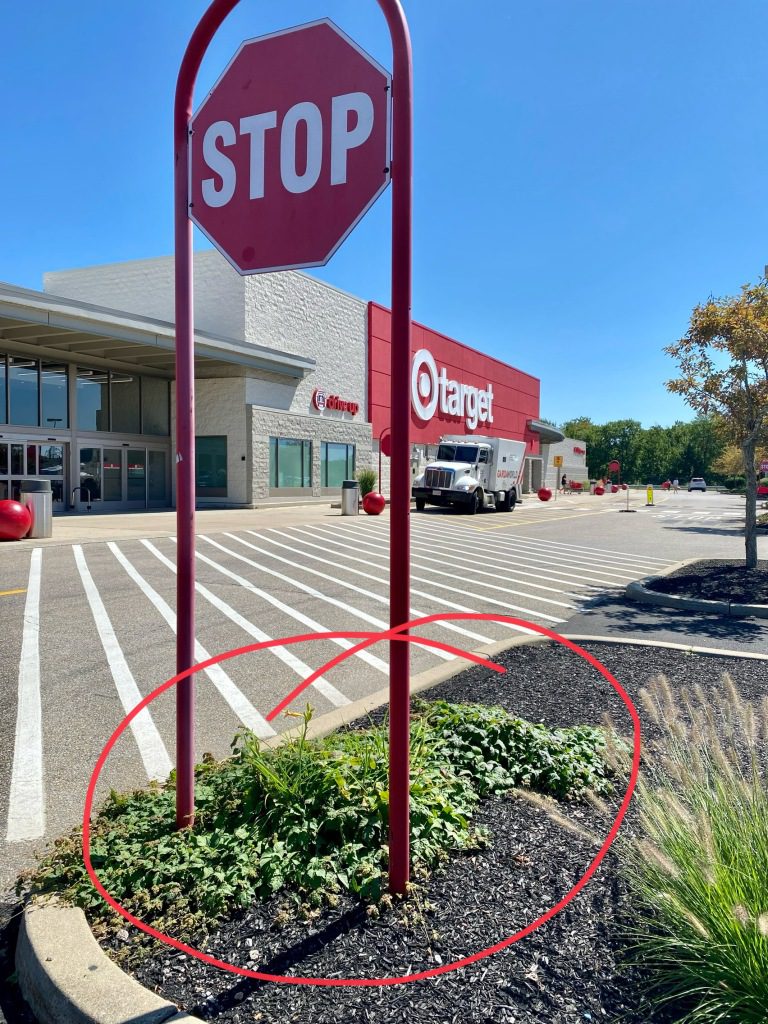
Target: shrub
311 817
735 483
701 866
367 480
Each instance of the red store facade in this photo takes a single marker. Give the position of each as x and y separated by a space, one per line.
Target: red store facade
454 390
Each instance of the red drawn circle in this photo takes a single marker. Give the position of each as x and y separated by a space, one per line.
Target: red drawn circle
367 639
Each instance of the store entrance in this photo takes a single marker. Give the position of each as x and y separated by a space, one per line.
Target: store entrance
29 460
121 479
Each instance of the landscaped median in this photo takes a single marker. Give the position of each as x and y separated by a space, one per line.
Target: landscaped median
711 586
283 873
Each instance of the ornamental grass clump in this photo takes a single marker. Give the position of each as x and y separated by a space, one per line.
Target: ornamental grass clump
309 818
700 868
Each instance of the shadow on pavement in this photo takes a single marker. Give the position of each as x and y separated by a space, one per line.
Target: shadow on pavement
611 616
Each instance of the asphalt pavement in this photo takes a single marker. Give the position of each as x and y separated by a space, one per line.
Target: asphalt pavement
87 622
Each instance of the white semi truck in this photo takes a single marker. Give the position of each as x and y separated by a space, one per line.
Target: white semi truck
472 472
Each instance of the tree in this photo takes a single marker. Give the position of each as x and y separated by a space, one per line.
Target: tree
723 364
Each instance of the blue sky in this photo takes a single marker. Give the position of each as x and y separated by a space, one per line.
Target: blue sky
586 170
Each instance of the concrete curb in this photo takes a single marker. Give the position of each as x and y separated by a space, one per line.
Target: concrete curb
67 978
639 591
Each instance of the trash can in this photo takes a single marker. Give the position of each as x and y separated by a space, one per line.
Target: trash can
349 498
592 486
38 497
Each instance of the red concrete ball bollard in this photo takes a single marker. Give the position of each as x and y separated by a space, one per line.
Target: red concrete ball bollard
599 490
614 488
623 487
544 493
15 520
373 503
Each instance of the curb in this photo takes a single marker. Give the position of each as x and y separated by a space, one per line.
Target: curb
67 978
639 591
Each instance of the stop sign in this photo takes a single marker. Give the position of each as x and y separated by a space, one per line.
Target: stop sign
290 148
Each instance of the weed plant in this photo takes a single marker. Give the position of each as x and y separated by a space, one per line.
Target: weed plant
700 869
366 478
310 818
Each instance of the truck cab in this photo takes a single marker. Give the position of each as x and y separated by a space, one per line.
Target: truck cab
472 472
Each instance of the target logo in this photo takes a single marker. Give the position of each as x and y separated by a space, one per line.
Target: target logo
430 388
319 399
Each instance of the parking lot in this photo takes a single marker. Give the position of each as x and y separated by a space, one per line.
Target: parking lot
91 623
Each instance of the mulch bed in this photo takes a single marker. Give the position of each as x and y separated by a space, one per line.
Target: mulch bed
569 970
717 580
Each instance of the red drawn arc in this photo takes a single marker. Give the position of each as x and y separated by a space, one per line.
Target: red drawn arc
367 639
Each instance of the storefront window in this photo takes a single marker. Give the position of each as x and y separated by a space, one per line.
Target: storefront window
156 406
211 466
51 460
337 463
290 462
125 396
92 399
55 405
3 391
24 391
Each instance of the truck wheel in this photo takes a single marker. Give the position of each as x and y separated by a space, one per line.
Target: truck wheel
420 504
476 504
511 501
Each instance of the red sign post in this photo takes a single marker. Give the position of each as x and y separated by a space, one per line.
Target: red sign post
282 159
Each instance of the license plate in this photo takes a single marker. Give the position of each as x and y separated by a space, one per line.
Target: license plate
437 493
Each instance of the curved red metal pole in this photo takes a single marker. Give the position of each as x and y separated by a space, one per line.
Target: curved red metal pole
399 469
400 485
185 411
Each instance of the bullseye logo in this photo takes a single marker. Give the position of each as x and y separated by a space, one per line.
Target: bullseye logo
424 385
319 399
428 388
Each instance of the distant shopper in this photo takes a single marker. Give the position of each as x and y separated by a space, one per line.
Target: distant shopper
563 482
675 485
667 484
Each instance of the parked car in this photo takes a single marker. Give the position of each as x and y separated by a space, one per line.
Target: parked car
697 483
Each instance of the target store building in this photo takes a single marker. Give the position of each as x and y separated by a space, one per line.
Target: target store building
292 385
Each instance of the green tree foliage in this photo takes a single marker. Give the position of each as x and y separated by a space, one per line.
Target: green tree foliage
653 454
723 371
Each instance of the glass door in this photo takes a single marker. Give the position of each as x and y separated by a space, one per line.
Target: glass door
136 478
87 491
112 467
157 479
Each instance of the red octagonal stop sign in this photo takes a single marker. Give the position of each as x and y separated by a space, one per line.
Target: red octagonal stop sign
290 148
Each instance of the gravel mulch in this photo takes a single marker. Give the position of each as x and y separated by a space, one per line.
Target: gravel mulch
569 970
717 580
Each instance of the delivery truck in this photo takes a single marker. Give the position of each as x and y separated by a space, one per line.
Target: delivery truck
472 472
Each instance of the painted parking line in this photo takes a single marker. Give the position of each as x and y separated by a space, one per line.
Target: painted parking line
301 669
350 609
294 613
231 693
154 756
26 807
485 599
491 553
379 598
510 572
8 593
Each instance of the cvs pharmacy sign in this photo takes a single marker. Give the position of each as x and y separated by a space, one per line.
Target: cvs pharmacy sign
432 389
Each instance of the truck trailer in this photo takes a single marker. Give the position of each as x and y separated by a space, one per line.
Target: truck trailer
472 472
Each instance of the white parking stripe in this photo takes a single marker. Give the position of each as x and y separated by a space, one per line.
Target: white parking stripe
296 664
231 693
488 555
155 757
342 583
576 551
313 624
417 557
554 555
506 605
26 808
